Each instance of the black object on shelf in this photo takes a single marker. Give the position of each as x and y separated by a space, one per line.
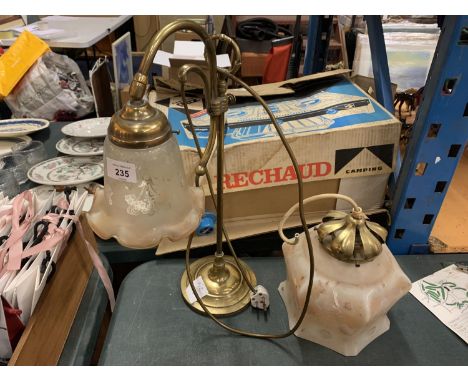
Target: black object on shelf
296 54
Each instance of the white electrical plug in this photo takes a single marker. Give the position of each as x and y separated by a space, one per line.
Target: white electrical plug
260 299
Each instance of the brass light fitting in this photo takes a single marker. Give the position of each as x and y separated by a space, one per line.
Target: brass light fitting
349 237
352 237
139 126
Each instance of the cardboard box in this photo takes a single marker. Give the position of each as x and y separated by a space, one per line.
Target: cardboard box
368 84
186 35
187 52
253 64
254 212
343 140
124 94
192 78
336 131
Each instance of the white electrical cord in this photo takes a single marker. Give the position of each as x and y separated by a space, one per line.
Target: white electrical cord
311 199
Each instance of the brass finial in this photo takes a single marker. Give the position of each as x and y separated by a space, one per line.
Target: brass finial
352 238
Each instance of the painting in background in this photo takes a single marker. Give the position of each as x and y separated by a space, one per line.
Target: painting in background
123 69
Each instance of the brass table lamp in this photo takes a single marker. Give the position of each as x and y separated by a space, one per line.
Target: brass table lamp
141 132
140 141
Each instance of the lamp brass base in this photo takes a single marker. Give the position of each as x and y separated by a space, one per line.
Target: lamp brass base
226 295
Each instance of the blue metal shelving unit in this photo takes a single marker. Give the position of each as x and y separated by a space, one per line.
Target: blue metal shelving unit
419 183
383 88
440 133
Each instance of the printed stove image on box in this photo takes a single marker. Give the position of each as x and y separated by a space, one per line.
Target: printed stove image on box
299 115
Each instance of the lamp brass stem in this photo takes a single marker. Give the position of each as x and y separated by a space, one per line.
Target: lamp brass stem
219 121
218 273
210 186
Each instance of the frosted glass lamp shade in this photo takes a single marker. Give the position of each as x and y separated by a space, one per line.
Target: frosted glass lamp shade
145 197
348 306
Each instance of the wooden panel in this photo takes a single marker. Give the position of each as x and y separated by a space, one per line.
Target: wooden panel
450 231
48 328
145 27
7 22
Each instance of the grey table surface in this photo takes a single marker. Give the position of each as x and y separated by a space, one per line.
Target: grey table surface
79 32
151 325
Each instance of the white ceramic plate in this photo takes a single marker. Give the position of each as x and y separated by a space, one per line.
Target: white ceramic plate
7 143
18 127
65 171
80 146
87 128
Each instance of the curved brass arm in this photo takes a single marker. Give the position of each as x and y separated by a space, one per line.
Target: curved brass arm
183 71
236 58
140 79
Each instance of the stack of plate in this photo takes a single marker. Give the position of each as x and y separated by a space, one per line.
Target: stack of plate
84 138
13 131
83 147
